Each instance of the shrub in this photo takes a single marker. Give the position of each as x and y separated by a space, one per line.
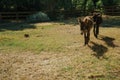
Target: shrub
38 17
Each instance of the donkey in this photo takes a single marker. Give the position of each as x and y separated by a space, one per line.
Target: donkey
97 18
85 27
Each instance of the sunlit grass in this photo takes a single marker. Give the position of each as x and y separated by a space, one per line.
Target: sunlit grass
43 38
99 60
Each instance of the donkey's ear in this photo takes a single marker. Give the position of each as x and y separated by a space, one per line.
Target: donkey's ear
79 20
99 14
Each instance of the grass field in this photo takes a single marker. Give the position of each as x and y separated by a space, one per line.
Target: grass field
55 51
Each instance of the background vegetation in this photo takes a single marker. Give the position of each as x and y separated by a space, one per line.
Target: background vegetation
59 9
44 5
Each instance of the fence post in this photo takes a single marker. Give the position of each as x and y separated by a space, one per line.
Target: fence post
17 16
113 10
0 16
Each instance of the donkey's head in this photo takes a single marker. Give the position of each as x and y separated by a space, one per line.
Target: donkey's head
82 25
97 18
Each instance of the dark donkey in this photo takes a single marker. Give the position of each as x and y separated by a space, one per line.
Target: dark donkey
97 18
85 27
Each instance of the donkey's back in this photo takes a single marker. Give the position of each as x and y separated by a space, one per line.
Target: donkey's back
86 23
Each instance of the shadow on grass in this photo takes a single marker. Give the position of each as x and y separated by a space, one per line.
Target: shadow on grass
99 49
111 22
70 21
15 26
108 41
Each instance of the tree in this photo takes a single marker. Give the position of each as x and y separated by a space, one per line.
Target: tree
94 2
110 2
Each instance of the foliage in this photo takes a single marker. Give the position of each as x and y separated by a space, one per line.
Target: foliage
90 5
40 16
110 2
51 6
23 5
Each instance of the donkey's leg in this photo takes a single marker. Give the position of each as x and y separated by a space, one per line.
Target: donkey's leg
97 29
88 36
85 39
94 30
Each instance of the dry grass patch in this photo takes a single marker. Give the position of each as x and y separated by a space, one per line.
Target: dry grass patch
60 53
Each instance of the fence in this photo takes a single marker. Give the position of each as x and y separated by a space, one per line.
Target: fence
109 10
23 15
112 10
14 15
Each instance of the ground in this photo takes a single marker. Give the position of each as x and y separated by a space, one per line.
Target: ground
56 51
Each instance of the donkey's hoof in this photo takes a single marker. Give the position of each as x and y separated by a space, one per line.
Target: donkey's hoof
96 36
85 44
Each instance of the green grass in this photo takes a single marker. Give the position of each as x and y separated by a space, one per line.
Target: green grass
43 38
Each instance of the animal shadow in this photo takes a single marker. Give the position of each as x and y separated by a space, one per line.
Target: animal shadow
108 41
99 49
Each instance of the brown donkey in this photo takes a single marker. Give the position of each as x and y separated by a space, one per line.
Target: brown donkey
85 27
97 18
